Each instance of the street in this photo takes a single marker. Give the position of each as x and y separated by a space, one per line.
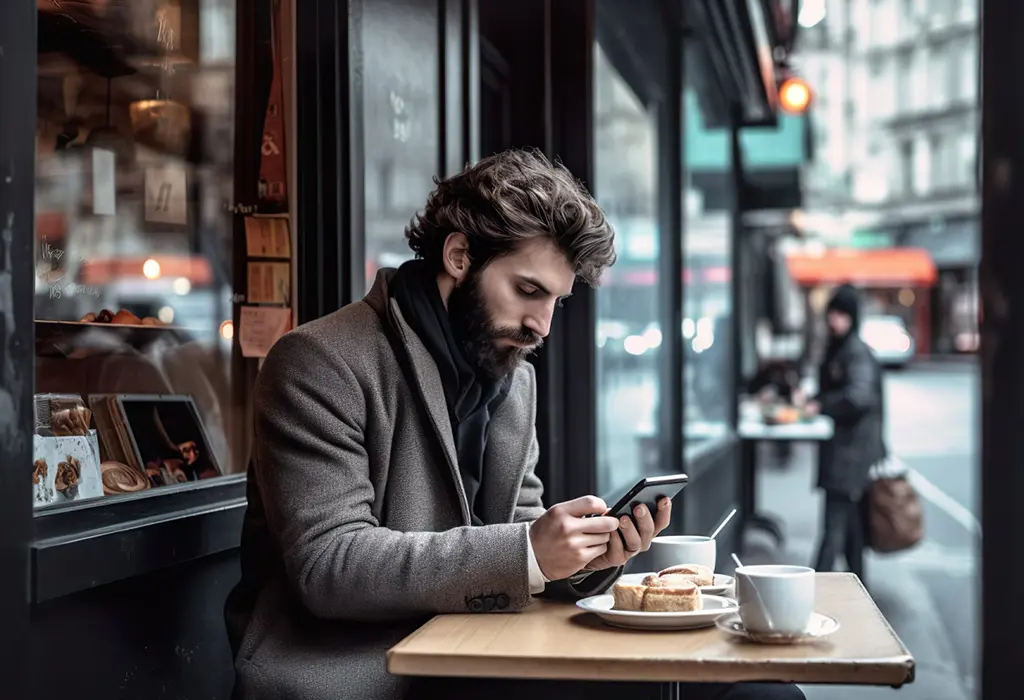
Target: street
929 594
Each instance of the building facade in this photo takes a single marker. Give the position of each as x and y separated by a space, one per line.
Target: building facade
895 128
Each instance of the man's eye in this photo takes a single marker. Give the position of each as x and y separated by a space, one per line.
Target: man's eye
528 292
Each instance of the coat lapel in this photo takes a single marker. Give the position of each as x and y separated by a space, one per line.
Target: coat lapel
428 383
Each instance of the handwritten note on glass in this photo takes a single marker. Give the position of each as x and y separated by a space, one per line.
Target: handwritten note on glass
260 327
269 283
267 237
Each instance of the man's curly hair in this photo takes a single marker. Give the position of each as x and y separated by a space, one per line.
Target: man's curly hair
509 198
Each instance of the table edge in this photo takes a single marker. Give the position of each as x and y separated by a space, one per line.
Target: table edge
890 671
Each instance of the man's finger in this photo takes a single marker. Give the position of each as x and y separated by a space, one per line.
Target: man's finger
630 535
590 540
664 515
599 524
616 554
584 505
644 525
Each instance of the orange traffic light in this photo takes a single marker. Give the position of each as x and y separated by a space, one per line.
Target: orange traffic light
795 95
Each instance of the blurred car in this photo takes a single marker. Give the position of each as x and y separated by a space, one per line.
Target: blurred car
888 338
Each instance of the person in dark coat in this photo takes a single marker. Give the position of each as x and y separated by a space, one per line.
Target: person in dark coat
849 392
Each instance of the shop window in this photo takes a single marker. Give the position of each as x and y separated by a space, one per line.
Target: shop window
628 332
708 391
143 382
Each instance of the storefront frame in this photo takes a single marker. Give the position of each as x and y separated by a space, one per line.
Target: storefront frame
1002 347
81 578
17 191
75 567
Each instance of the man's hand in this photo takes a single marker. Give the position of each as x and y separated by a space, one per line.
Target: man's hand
812 408
564 540
637 539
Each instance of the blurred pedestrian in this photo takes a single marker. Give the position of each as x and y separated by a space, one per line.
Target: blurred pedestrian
849 392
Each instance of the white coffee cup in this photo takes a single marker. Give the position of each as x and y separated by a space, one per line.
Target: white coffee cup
775 599
671 550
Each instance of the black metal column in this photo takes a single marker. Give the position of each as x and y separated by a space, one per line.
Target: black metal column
736 242
329 201
671 186
570 41
17 374
1002 346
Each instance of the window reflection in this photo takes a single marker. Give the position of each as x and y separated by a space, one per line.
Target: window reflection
628 332
134 246
400 97
707 279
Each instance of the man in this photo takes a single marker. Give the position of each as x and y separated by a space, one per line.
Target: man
850 392
395 449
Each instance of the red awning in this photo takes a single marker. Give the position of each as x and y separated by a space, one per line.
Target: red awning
889 267
99 272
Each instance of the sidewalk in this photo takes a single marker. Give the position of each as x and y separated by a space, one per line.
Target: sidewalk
897 583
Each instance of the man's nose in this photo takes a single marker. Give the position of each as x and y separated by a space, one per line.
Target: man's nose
540 322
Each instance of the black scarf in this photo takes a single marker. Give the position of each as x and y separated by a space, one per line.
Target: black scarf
471 398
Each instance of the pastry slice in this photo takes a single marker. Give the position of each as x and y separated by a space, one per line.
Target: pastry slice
628 596
679 597
698 573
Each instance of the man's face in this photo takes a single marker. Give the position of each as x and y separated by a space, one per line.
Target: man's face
838 323
503 313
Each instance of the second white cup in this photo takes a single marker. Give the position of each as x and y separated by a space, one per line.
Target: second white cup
671 550
774 599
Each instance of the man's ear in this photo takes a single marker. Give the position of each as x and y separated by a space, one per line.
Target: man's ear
455 256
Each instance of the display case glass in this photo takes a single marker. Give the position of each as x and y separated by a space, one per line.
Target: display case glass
159 283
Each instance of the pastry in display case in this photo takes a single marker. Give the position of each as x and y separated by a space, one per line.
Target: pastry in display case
161 438
123 317
65 451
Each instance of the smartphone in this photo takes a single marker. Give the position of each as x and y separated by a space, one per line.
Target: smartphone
648 491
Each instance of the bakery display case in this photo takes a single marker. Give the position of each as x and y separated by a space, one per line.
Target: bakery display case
162 247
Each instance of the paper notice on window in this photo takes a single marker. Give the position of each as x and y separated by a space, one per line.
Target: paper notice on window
260 327
269 283
104 189
167 194
267 237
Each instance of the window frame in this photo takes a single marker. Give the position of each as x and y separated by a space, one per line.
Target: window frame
17 354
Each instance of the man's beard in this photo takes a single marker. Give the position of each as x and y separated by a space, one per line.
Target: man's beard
477 334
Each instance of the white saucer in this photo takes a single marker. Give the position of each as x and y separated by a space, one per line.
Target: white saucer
721 585
821 626
602 606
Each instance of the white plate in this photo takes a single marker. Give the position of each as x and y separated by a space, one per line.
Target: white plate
820 627
722 583
714 606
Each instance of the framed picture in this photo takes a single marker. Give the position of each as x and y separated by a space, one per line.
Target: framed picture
167 438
